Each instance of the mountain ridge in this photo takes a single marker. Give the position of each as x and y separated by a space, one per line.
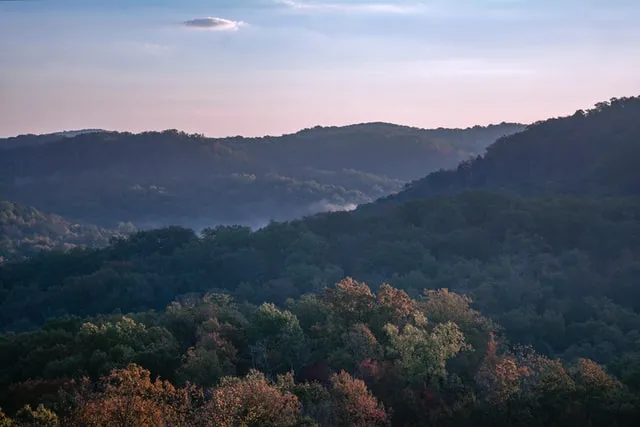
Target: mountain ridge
549 157
172 177
74 133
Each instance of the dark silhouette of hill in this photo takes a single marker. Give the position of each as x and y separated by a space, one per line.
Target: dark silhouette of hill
170 177
593 152
31 139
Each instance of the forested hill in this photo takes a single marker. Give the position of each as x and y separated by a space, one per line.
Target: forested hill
559 274
594 152
161 178
24 231
473 308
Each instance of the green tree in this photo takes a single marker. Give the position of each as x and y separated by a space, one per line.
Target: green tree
39 417
278 343
423 354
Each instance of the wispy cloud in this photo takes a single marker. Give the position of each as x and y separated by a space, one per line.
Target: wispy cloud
342 6
212 23
438 9
152 49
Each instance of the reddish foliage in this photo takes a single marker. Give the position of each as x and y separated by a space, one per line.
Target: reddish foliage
252 401
355 406
369 369
398 304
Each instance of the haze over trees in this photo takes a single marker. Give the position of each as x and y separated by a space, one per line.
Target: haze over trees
501 293
24 231
173 178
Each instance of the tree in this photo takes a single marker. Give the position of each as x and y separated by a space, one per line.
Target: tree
525 387
602 397
129 398
210 359
443 305
354 405
39 417
421 354
277 340
358 343
394 305
350 301
252 401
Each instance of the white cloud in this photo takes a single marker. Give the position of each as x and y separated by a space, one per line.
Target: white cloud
338 6
212 23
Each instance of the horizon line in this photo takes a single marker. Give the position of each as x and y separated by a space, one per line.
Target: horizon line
86 130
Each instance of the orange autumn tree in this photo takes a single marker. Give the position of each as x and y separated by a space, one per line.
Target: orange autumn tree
252 401
350 301
395 305
522 384
129 398
354 405
597 392
499 376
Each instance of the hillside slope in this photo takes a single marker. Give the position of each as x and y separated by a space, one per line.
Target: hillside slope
24 231
592 152
497 287
160 178
559 273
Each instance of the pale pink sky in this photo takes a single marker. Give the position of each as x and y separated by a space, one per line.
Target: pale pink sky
268 67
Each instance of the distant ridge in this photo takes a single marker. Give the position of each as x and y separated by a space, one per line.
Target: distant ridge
28 140
72 133
354 126
172 177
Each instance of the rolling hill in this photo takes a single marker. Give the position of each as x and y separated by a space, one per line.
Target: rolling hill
162 178
593 152
469 300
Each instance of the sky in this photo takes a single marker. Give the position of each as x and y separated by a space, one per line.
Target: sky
257 67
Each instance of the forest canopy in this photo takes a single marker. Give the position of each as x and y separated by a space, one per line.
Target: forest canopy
502 293
344 357
592 152
25 231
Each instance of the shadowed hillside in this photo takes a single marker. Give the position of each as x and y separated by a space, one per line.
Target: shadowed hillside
24 231
593 152
161 178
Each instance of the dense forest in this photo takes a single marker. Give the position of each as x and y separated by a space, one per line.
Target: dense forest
25 231
157 179
344 357
593 152
504 299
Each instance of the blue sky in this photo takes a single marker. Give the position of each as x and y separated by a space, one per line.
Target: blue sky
255 67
